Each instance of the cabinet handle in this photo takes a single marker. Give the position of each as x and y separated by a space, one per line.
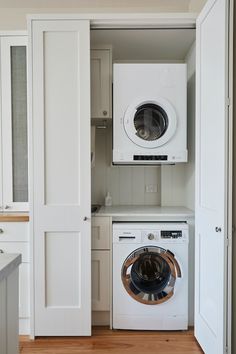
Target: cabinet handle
7 207
104 113
1 251
1 231
218 229
86 218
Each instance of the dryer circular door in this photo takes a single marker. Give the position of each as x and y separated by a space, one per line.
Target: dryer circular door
150 123
149 274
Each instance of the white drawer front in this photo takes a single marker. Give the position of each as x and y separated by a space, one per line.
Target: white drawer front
101 233
14 231
16 247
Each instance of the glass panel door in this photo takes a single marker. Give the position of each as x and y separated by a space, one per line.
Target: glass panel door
150 122
19 124
149 274
14 123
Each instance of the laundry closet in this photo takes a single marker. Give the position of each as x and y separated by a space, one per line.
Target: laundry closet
71 127
131 186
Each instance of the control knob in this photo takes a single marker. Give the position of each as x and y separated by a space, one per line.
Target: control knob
151 236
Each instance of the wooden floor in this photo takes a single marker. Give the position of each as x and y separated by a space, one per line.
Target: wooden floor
105 341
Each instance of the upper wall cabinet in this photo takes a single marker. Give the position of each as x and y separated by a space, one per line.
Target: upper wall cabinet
13 144
101 83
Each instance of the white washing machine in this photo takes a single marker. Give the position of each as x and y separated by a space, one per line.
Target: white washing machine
149 113
150 276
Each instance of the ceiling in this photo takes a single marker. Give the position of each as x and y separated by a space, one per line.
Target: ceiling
148 44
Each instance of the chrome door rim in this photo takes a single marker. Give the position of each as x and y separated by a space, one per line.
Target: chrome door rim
144 297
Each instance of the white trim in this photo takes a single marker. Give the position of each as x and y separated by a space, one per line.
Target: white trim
30 180
126 20
13 33
1 156
230 176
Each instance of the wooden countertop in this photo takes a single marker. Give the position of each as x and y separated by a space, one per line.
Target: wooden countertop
14 217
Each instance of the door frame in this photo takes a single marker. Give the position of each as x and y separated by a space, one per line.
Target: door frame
140 21
125 20
97 21
230 220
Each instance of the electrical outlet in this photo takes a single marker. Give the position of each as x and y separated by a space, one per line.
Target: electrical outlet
151 188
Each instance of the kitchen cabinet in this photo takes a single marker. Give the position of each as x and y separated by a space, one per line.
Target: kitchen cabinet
100 280
13 117
14 238
101 237
101 83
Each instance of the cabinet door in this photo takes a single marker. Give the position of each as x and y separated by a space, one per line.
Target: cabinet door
100 281
61 198
3 316
14 123
101 83
101 233
213 176
24 291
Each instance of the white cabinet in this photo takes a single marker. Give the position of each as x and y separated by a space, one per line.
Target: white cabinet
13 117
14 238
100 280
101 83
101 235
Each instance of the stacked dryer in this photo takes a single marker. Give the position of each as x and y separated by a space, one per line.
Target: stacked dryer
149 114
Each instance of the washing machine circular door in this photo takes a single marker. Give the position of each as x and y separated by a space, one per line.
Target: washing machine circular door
150 123
149 274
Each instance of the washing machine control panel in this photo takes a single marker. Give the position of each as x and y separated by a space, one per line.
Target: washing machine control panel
167 234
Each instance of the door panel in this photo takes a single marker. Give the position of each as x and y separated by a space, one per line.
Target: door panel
211 177
61 168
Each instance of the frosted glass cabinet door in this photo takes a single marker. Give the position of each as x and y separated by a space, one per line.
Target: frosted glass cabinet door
14 123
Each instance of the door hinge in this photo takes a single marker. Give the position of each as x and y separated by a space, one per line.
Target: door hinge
226 350
227 242
228 101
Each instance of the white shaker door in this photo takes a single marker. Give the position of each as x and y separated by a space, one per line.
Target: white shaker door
212 175
60 165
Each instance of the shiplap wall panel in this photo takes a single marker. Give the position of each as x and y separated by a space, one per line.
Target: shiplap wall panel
125 183
173 184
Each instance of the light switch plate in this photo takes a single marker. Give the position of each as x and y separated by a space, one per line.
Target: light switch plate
151 188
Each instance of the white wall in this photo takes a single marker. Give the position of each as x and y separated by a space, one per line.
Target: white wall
177 181
125 183
196 5
13 16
